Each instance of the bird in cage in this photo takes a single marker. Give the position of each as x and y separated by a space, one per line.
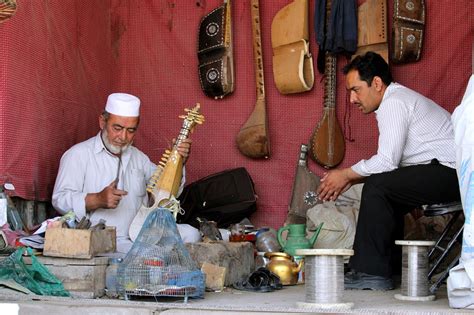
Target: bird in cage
209 230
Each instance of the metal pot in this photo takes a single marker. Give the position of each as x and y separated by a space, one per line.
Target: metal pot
284 267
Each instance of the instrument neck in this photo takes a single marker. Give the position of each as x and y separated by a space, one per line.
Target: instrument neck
257 49
228 24
330 80
303 159
183 133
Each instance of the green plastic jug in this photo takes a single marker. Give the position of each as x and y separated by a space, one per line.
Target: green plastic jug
296 238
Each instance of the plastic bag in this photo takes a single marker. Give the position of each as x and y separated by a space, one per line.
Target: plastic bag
36 277
461 277
339 217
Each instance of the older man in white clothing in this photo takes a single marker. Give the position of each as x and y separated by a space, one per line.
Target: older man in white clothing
88 181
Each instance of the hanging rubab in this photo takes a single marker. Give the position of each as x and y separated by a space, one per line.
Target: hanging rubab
165 182
327 141
252 139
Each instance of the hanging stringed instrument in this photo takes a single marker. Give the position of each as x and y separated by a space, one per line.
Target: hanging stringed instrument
252 139
327 145
215 52
165 182
327 141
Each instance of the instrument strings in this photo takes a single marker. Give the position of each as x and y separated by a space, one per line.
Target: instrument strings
415 267
324 279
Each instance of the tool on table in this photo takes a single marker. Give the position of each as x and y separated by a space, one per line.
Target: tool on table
119 155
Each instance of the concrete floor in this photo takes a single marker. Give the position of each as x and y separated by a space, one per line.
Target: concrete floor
228 302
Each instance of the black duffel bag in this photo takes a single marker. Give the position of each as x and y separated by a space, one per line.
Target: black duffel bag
226 197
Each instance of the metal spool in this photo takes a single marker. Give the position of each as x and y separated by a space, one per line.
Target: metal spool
415 266
324 278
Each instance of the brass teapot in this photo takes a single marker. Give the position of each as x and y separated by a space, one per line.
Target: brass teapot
284 267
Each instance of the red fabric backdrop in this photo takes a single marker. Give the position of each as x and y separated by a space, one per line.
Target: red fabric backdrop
59 59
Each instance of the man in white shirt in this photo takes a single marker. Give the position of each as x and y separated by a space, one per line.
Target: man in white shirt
414 165
90 181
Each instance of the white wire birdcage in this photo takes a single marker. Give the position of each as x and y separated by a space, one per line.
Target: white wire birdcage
158 264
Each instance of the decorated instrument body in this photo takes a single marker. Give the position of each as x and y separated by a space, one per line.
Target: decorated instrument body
165 182
215 52
327 142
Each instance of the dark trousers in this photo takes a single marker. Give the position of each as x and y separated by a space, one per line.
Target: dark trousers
386 198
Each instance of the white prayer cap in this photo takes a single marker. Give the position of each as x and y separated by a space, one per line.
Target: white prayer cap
122 104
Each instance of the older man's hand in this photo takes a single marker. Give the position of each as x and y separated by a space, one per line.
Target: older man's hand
108 198
184 149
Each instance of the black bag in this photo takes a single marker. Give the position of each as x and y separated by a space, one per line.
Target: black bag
226 198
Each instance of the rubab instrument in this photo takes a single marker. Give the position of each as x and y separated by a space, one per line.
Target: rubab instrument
252 139
165 182
327 144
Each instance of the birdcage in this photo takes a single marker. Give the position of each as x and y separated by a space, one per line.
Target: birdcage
158 264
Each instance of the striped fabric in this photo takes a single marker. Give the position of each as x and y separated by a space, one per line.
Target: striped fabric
412 130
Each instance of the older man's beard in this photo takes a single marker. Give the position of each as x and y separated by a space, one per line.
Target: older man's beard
114 149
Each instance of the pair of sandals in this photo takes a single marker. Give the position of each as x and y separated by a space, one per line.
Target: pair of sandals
261 280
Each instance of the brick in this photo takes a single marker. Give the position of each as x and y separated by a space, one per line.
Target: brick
236 257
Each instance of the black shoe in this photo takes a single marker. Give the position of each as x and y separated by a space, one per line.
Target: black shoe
261 280
362 281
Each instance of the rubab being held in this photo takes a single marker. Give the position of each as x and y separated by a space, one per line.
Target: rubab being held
165 182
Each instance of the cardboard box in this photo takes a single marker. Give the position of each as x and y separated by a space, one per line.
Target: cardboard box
74 243
83 278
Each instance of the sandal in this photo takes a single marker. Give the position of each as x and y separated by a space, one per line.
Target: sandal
258 281
275 282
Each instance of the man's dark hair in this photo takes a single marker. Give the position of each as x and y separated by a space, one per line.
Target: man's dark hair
370 65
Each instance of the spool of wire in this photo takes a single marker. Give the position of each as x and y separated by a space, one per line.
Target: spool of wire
415 265
324 278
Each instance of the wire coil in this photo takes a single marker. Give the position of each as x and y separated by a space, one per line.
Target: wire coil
415 266
324 278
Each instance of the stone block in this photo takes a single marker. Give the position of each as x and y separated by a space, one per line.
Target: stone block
236 257
215 276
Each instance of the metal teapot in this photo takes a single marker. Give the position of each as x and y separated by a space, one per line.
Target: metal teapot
296 238
284 267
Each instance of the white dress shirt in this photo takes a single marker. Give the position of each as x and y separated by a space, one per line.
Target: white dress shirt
413 130
88 167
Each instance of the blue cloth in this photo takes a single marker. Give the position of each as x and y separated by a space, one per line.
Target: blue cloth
339 35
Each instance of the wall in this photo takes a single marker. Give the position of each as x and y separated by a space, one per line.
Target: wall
55 65
83 50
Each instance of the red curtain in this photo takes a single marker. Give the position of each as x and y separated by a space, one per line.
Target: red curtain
59 59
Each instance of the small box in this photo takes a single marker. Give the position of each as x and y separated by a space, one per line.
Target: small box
73 243
83 278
